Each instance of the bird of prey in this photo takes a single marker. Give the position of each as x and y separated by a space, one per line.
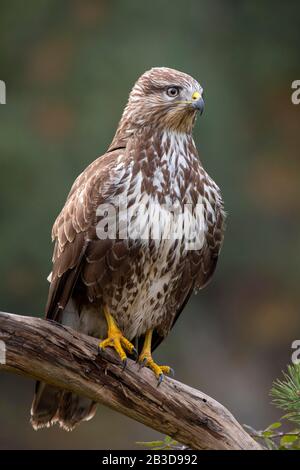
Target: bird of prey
127 283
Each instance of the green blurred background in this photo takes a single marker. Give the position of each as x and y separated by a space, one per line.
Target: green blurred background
69 67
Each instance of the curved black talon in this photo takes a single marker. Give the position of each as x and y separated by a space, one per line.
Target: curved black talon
160 379
124 364
143 363
172 372
135 354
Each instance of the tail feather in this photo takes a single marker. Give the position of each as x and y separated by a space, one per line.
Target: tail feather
73 409
52 405
45 405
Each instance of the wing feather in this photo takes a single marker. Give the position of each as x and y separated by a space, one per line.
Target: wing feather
74 230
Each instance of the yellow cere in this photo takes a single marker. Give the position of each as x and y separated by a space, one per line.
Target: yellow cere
196 95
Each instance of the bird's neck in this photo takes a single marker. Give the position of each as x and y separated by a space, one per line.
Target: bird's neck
166 162
125 131
166 139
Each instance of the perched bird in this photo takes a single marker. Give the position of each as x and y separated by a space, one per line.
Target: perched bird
127 283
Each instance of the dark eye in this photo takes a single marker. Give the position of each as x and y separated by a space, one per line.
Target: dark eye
173 91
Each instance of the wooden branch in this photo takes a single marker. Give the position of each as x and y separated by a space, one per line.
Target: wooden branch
60 356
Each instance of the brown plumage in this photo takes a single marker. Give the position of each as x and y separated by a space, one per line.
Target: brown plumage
152 170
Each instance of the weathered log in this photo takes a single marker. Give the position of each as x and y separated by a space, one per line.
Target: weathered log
63 357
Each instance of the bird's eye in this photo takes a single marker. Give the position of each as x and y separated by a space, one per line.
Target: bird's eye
173 91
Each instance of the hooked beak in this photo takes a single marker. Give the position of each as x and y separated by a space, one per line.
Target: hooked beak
198 102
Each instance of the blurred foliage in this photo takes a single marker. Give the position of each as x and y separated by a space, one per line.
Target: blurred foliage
166 444
286 396
286 393
69 67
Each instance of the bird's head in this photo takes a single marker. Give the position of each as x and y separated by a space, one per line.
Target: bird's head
165 98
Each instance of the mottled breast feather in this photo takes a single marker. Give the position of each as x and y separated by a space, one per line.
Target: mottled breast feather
144 283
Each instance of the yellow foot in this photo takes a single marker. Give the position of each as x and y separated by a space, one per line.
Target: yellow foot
120 345
116 340
145 359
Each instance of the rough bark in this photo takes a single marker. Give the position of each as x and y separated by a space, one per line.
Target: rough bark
60 356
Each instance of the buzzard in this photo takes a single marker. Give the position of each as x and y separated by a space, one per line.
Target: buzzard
141 229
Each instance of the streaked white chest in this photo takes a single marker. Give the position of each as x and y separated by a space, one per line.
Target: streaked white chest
166 231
